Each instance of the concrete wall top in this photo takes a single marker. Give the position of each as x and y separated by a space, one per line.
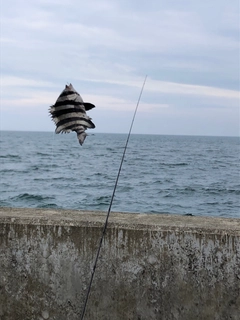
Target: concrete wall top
215 225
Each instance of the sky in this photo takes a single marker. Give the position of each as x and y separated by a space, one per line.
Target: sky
189 51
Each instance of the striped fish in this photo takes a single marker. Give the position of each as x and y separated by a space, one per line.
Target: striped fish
69 113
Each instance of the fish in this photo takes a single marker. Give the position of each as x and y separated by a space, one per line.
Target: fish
69 113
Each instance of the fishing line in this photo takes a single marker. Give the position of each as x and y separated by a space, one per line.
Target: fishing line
110 206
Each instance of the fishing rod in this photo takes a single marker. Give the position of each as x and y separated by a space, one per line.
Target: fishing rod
110 206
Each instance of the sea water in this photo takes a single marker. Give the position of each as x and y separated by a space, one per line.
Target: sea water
160 174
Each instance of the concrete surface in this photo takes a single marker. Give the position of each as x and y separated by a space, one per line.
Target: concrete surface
150 267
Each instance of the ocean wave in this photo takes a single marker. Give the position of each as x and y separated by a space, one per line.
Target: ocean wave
43 154
31 197
103 199
218 191
177 164
10 156
14 171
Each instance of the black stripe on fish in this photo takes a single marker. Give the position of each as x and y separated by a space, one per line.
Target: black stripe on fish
64 122
68 92
58 113
87 105
72 102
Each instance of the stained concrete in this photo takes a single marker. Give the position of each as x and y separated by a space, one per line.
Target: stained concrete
150 267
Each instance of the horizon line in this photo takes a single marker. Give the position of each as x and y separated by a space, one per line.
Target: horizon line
125 133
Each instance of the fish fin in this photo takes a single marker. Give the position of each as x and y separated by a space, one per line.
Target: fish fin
81 137
88 106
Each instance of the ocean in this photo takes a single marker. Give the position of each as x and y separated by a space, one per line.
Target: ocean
195 175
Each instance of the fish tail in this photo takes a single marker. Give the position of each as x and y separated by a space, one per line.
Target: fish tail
81 137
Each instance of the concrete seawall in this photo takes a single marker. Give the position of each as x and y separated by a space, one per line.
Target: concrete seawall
150 267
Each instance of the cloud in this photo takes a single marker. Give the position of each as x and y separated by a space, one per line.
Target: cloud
189 89
178 88
18 82
122 105
32 93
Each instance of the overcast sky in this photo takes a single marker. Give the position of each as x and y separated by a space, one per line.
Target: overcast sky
189 50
